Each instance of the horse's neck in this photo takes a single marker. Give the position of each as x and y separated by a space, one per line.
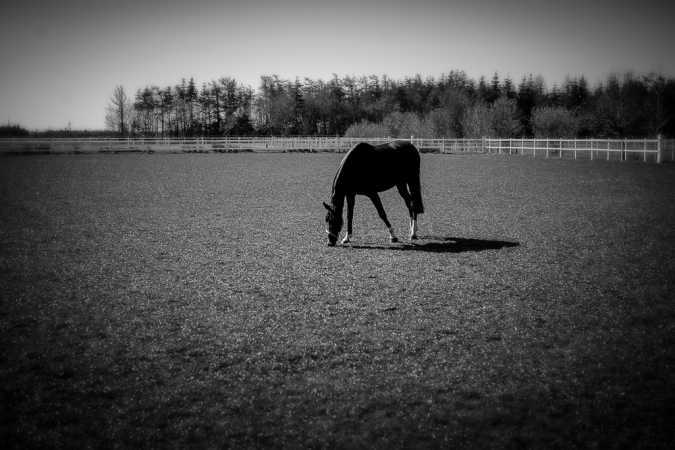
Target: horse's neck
337 199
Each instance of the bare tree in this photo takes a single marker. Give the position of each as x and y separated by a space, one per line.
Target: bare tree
118 111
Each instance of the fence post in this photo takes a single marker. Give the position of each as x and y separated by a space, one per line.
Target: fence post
560 145
546 148
659 158
534 147
482 144
575 148
608 145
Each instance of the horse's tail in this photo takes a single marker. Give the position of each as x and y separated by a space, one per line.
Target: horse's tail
416 191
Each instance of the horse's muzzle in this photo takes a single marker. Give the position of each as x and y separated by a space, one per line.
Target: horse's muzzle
332 238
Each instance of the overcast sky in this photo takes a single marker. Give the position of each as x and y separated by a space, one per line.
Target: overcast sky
60 60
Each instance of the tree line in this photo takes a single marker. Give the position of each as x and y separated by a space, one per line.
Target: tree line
452 106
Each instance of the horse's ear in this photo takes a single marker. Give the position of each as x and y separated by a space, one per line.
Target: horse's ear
327 206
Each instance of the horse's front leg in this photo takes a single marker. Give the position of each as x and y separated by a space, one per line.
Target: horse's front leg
350 214
383 215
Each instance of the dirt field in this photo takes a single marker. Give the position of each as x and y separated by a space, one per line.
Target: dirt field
191 301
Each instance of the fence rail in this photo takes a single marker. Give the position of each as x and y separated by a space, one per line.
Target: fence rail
657 150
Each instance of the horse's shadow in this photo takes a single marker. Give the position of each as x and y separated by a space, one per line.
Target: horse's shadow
439 244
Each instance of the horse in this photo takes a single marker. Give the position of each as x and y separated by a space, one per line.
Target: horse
368 170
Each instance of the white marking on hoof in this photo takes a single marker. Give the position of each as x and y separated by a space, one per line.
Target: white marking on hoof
347 239
413 230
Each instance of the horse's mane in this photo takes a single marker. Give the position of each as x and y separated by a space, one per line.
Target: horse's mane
338 173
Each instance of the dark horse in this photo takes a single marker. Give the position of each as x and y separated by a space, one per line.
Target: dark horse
367 170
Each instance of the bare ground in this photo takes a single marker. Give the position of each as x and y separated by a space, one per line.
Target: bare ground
190 301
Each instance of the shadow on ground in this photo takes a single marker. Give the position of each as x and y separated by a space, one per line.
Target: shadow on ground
439 244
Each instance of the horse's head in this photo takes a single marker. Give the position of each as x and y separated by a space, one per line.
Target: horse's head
333 224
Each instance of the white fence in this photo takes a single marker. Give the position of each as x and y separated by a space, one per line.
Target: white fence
226 144
657 150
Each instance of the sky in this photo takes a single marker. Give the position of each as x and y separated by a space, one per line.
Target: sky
60 60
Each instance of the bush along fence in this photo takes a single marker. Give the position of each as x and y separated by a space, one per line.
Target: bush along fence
648 150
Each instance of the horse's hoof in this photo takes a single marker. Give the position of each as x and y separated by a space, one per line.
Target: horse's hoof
413 237
394 240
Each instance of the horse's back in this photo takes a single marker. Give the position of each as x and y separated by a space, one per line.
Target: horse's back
367 168
389 149
390 154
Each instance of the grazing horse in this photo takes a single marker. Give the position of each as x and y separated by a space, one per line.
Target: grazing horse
367 170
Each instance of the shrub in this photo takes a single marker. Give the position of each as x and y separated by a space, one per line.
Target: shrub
554 122
12 131
504 118
403 124
476 122
366 129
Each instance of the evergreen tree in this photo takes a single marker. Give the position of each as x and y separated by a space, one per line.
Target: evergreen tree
494 92
482 91
507 88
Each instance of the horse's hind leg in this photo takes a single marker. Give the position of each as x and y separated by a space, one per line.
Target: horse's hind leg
413 226
380 211
407 198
